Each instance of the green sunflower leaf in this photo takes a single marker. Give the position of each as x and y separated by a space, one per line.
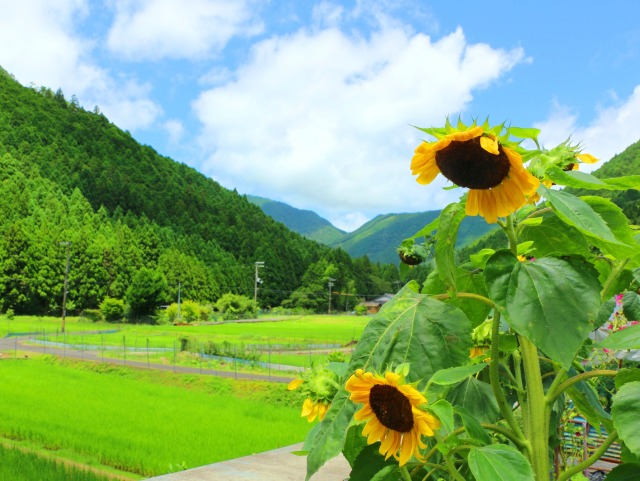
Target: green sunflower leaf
625 412
582 180
472 427
499 462
627 247
524 133
454 375
554 238
477 398
576 212
466 281
411 328
450 219
370 464
628 338
552 302
625 472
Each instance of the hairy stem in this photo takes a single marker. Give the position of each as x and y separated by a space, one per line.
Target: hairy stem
503 405
553 393
537 427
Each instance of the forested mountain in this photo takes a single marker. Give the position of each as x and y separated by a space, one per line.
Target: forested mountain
377 239
304 222
69 175
380 237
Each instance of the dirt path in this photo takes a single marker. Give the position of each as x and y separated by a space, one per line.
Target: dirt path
9 345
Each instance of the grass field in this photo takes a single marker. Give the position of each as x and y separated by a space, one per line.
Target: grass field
144 422
290 341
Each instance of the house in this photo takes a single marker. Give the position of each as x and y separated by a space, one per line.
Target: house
374 305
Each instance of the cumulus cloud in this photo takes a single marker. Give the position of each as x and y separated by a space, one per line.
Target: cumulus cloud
156 29
323 119
47 49
614 128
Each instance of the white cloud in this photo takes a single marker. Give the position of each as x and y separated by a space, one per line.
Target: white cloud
322 119
47 49
156 29
613 129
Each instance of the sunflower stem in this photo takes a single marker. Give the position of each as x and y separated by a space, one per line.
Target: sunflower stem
494 375
405 473
451 467
510 231
537 429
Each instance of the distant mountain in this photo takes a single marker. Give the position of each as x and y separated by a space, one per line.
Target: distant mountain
304 222
379 238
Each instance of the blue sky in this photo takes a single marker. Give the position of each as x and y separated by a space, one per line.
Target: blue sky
311 103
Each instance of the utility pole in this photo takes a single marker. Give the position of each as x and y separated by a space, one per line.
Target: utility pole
259 264
330 284
179 284
66 286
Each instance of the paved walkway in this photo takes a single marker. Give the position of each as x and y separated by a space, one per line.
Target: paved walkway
9 345
276 465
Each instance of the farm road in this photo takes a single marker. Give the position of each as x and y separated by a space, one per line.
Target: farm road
9 345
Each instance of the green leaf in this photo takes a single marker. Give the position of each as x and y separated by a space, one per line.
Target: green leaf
625 472
370 463
554 238
631 306
499 462
466 281
411 328
354 443
576 212
454 375
450 219
472 427
617 222
626 412
552 302
627 375
582 180
588 405
428 229
480 259
443 410
628 338
524 133
476 397
329 438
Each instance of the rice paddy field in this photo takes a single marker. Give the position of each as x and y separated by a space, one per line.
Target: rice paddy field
297 341
98 421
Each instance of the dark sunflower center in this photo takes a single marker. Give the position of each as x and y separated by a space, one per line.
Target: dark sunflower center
391 407
468 165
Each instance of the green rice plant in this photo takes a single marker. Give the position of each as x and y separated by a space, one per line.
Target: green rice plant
141 421
17 465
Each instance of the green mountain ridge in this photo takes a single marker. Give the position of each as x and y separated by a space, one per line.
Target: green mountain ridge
70 175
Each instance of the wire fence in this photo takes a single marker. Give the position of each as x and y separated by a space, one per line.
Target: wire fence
184 354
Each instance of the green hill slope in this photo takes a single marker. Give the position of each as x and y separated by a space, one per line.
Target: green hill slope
380 237
304 222
50 144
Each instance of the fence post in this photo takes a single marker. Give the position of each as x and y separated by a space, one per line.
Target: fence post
124 349
102 346
235 360
174 355
44 340
82 346
269 362
147 353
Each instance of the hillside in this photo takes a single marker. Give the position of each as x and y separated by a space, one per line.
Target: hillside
304 222
380 237
70 175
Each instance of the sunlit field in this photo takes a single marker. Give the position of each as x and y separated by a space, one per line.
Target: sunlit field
143 422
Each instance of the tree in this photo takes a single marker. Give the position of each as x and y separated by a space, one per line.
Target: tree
145 292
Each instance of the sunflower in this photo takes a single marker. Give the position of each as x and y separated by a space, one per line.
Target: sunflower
393 414
475 158
311 410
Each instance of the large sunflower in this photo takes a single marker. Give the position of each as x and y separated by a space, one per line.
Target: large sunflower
473 158
393 414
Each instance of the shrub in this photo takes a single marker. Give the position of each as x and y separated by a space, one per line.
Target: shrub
112 309
234 306
94 315
10 314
